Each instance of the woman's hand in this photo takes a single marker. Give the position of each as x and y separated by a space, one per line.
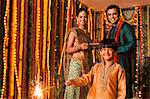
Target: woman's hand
83 46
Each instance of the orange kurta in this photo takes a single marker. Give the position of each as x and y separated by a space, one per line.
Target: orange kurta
104 85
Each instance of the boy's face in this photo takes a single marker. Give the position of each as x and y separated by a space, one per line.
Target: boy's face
107 53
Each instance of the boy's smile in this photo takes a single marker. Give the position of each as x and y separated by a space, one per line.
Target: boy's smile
107 53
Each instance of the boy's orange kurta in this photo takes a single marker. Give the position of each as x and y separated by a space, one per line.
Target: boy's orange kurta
104 85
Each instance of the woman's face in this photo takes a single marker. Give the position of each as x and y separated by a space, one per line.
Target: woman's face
107 53
112 15
82 19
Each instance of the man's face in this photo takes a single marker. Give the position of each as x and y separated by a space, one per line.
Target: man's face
107 53
112 15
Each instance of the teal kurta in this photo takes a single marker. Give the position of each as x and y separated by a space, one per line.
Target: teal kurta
126 44
126 38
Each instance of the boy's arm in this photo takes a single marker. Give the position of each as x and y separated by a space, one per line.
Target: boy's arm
81 81
121 84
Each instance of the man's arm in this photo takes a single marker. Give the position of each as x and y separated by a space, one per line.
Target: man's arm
129 39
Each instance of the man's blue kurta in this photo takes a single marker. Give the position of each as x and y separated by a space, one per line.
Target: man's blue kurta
126 43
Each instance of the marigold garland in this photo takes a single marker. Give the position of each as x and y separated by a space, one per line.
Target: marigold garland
48 46
13 53
21 48
37 50
148 29
68 26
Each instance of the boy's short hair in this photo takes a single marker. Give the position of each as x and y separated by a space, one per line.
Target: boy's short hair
108 43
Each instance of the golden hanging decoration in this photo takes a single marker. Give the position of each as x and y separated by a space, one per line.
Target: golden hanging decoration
5 48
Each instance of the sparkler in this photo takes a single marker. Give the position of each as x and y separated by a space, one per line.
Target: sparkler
51 87
37 91
93 44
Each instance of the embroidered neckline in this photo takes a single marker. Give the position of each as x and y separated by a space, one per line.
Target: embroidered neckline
104 75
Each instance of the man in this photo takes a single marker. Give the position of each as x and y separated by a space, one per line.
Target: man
123 33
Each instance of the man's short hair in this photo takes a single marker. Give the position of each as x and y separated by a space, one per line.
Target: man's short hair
108 43
113 7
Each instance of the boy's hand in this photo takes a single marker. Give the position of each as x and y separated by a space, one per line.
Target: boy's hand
69 82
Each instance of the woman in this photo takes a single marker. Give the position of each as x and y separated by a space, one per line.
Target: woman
81 56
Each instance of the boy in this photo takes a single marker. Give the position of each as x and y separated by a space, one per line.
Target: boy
107 78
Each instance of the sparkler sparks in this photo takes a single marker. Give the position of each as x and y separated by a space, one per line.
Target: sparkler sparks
38 91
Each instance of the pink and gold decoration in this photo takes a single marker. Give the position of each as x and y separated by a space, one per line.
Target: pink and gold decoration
33 40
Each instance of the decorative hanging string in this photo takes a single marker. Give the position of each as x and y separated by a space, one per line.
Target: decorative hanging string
69 10
37 50
13 52
90 30
53 65
45 71
121 15
48 46
101 34
135 20
107 24
61 27
68 26
90 22
21 35
148 29
45 24
141 50
5 48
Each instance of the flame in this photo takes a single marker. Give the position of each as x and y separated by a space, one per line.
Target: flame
38 91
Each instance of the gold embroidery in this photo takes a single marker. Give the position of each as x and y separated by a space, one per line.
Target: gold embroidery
104 75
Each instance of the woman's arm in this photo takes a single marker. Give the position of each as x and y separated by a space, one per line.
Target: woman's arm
70 44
